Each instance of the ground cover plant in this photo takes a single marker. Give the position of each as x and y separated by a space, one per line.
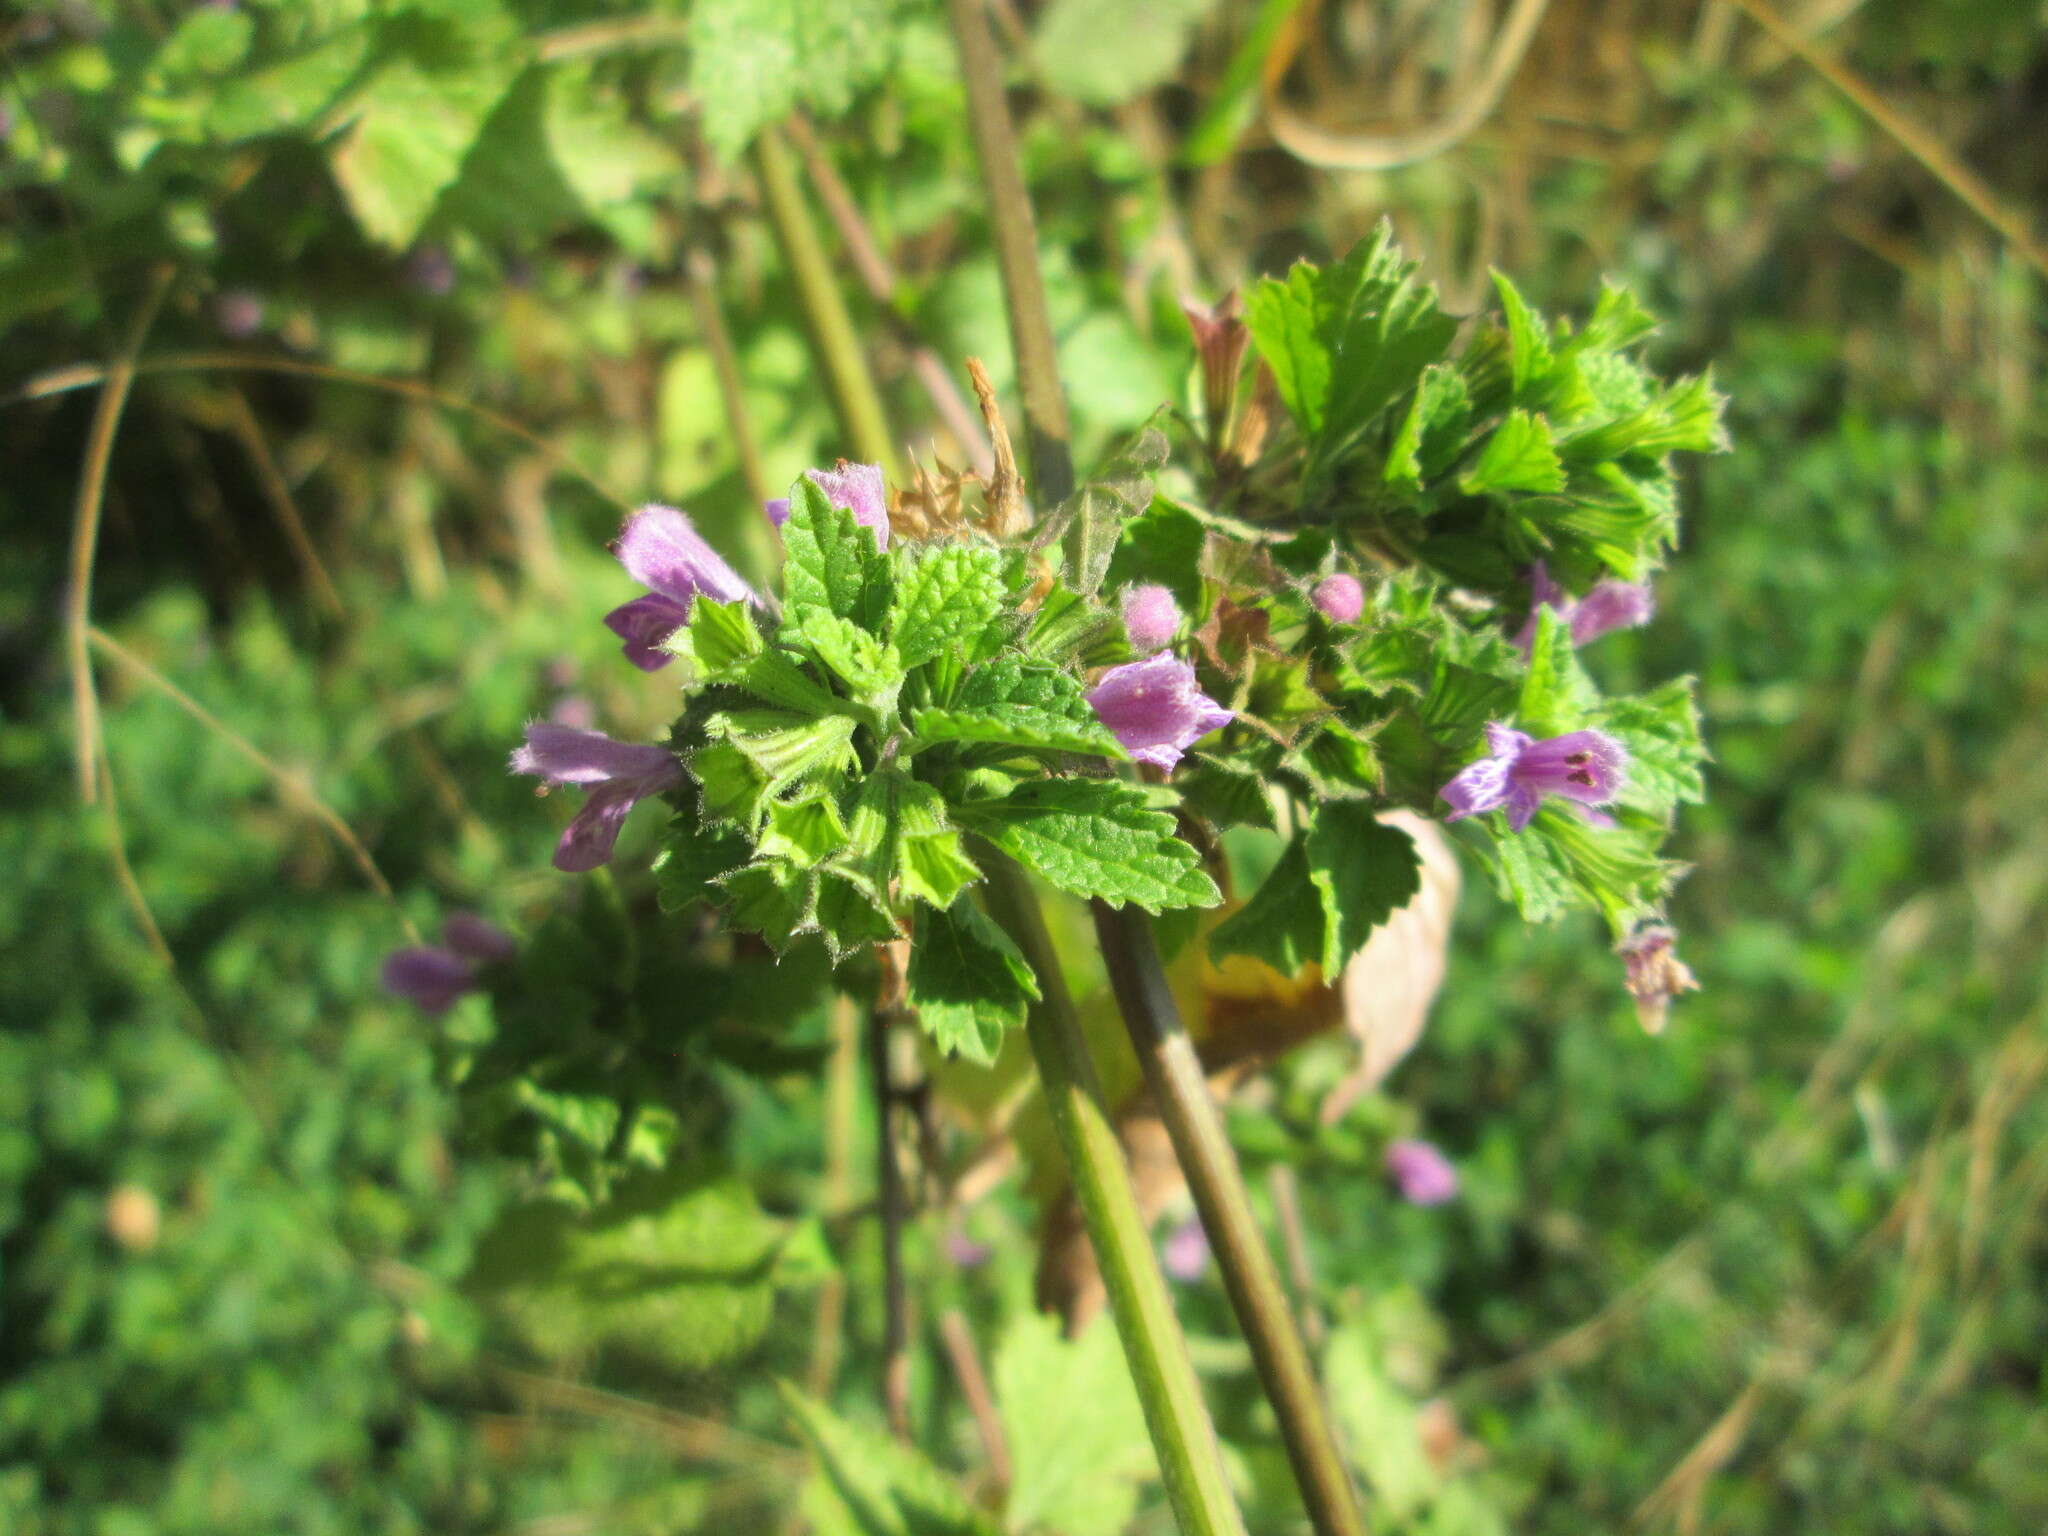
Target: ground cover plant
1004 1041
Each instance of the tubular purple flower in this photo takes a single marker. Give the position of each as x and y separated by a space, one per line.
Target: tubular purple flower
1185 1253
1151 616
1339 598
620 775
430 978
433 976
1611 605
1518 771
1422 1173
857 487
662 550
1156 708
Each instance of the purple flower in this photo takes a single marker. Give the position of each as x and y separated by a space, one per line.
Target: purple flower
662 551
1609 606
433 976
1422 1173
238 313
1339 598
1150 616
1185 1253
1655 974
1518 771
1156 709
430 269
621 774
963 1250
857 487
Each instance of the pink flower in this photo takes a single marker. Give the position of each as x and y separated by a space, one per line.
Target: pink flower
1339 598
1151 616
433 976
1185 1253
856 487
1156 708
1422 1173
1611 605
1518 771
662 550
620 774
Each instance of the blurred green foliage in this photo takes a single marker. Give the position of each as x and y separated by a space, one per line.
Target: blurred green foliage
1777 1269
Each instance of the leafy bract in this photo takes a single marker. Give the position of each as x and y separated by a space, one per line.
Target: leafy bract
967 981
1096 838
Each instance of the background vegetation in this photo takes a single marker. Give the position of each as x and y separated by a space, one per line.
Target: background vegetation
425 292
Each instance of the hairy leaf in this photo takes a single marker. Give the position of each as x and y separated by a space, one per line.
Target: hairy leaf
1098 838
967 981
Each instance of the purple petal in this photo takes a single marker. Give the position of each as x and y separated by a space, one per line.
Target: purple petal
1339 598
858 488
776 509
430 978
1479 787
1543 593
1156 709
1185 1253
561 754
1422 1173
1610 606
662 550
1522 803
964 1251
1586 766
476 939
645 624
1151 616
594 830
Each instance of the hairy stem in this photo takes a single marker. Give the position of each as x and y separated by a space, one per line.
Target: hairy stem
889 1198
1047 439
830 325
1190 1461
1180 1092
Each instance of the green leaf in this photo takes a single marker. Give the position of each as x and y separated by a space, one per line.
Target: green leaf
1556 693
851 913
1344 343
719 637
944 593
805 830
694 858
871 670
1432 431
732 787
1119 492
1012 702
832 565
934 867
753 61
787 748
1519 456
1097 838
967 981
771 898
1152 37
1078 1447
1283 922
1661 730
1381 1427
413 127
1364 870
1163 544
889 1488
1529 356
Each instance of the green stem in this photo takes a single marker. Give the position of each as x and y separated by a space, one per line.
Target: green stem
1190 1460
834 340
1171 1066
1180 1092
1047 438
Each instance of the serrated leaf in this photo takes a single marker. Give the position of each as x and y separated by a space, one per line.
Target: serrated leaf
1519 456
1529 873
1345 343
731 787
1339 762
1162 545
1012 702
1102 508
1067 627
1096 838
1530 360
804 831
1076 1433
693 858
1661 731
871 670
787 748
412 128
832 565
753 61
934 868
1556 692
851 913
889 1488
772 899
967 981
944 593
1283 922
1364 871
1439 414
719 637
